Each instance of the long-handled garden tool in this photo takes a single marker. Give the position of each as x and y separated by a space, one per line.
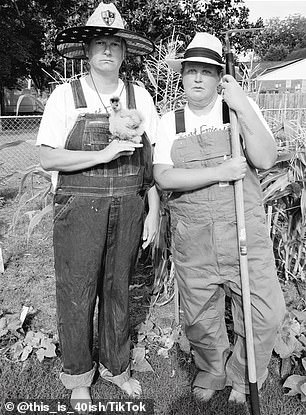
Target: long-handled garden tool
244 273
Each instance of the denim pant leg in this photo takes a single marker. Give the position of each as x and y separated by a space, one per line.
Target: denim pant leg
123 239
79 235
268 306
202 300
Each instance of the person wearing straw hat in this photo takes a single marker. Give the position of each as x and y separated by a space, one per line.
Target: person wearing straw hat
100 182
192 160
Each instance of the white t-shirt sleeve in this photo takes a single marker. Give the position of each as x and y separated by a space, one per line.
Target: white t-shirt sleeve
166 136
146 107
260 115
54 126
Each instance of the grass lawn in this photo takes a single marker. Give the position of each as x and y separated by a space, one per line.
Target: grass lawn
29 280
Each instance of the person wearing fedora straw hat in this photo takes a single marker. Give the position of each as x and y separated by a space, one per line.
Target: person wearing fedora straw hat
192 160
100 183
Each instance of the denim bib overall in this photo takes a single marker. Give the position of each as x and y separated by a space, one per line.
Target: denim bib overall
205 253
98 220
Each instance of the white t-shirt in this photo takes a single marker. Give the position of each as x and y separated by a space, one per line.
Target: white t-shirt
193 123
60 113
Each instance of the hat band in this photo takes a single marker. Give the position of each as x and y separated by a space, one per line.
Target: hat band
203 53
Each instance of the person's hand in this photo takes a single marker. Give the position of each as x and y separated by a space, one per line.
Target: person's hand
233 94
150 229
117 148
232 169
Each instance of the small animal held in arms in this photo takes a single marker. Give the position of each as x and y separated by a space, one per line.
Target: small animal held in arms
125 124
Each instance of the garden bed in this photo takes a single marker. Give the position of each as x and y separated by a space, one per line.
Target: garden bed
28 280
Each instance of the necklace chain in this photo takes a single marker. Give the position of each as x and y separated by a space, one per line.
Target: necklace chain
96 89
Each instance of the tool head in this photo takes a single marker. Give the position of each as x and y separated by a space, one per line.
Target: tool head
230 33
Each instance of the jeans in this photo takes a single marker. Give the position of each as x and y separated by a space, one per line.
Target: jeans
96 241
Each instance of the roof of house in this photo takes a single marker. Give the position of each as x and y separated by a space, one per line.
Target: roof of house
285 70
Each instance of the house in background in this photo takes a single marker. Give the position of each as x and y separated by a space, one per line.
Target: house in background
286 76
22 102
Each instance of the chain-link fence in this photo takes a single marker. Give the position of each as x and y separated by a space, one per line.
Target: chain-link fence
19 127
18 158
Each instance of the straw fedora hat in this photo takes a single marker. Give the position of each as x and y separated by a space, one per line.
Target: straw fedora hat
204 47
105 20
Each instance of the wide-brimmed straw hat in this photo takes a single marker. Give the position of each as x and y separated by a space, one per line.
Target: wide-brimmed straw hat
105 20
204 47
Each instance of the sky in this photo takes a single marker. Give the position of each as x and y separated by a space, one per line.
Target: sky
274 8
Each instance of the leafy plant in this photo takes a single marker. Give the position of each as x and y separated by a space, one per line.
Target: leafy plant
152 337
37 342
167 90
35 186
20 345
284 190
297 384
291 344
7 145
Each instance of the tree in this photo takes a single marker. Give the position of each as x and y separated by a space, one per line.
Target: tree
22 34
28 29
158 18
280 37
187 17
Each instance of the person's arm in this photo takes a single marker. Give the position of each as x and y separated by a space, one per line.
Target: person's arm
183 180
151 224
259 142
69 160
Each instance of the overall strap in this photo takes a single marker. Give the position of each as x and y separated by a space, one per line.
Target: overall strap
130 95
146 151
180 118
180 121
78 94
225 113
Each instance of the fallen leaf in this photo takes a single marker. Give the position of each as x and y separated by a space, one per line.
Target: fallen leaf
145 327
295 328
151 336
285 345
138 353
304 362
295 383
140 338
286 366
50 350
184 344
300 315
142 366
167 341
177 333
40 353
139 362
16 350
26 352
32 339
